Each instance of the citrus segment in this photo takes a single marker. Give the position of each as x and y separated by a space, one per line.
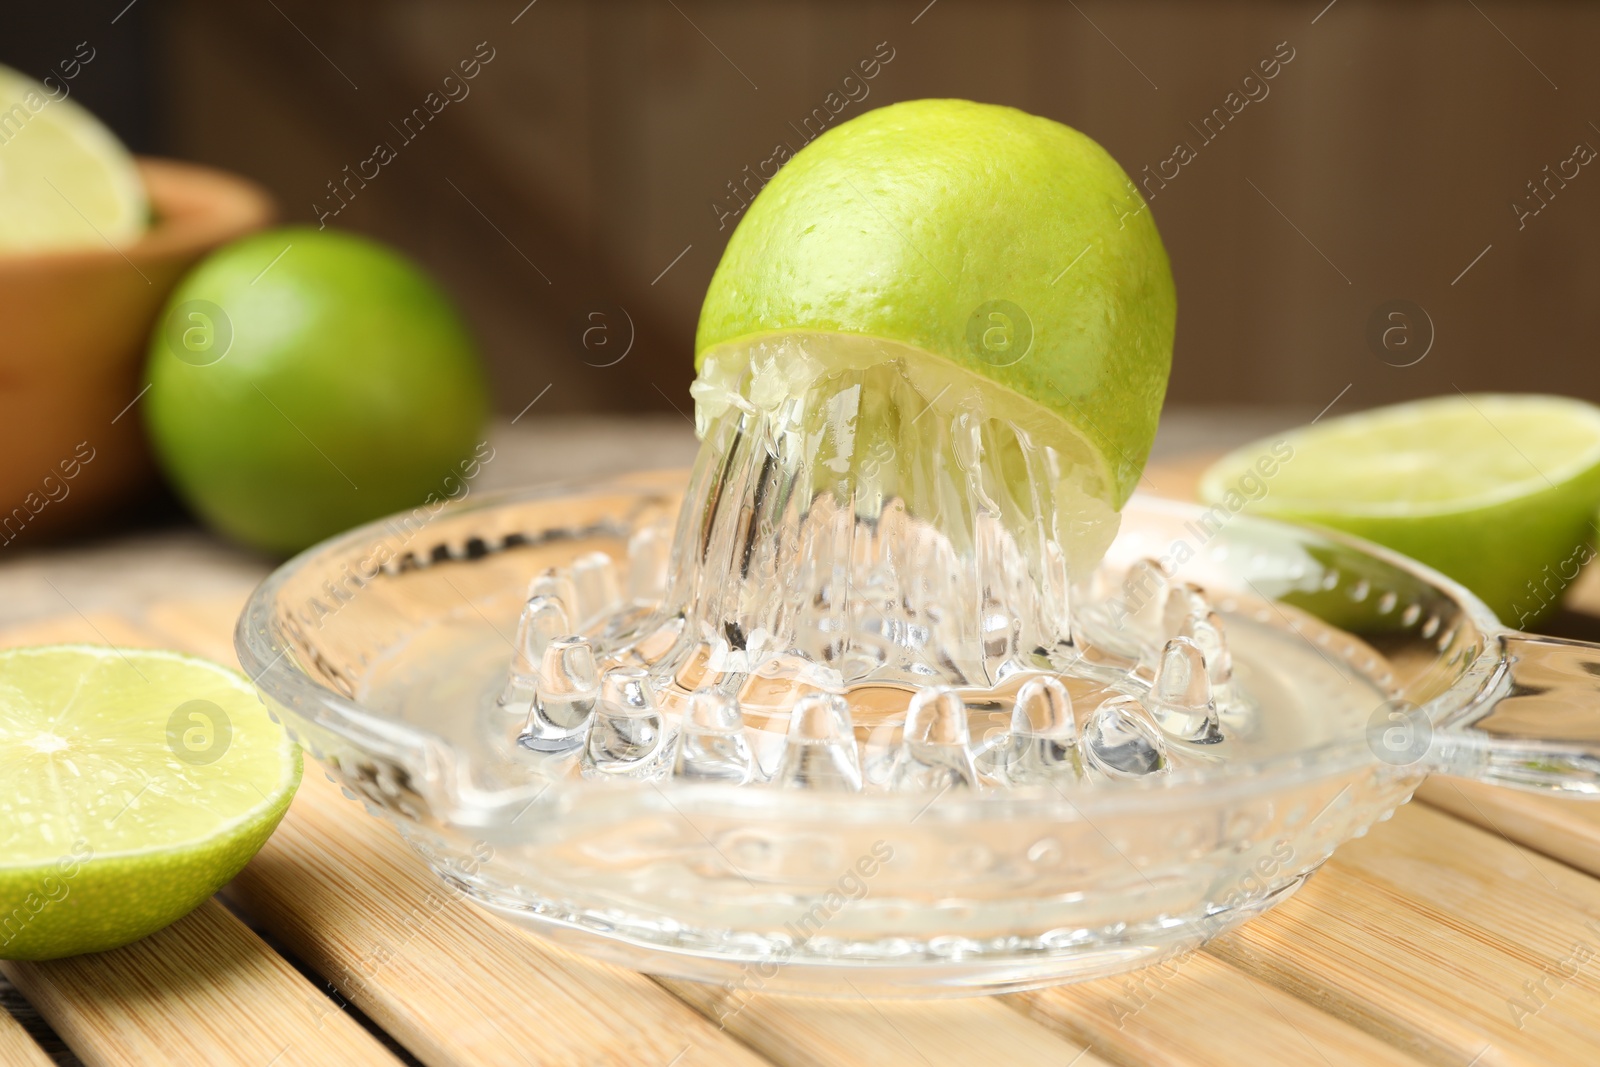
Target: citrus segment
1497 491
65 180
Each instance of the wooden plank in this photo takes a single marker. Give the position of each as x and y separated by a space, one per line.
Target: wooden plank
791 1031
1437 1017
1197 1011
1442 939
785 1030
201 626
446 979
449 981
802 1032
1566 829
472 979
1563 827
96 628
17 1049
205 990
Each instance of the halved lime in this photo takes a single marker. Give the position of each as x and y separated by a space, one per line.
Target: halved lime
1000 242
1497 491
992 260
136 784
65 180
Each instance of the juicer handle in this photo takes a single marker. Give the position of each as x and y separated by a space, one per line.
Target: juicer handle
1537 727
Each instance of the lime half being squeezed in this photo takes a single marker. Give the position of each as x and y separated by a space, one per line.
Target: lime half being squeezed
930 365
1003 263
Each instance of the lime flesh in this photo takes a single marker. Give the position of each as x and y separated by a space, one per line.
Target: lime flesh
137 783
65 180
902 411
1496 491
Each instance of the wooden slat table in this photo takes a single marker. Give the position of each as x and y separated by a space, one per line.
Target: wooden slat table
1464 931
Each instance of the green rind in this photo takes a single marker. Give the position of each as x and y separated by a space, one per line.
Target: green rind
1518 555
352 390
903 222
115 901
88 901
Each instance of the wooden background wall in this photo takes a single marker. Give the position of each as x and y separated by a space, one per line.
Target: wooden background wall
586 160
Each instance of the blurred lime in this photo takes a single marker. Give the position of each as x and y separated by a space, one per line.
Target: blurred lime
995 255
65 180
1499 492
303 381
137 783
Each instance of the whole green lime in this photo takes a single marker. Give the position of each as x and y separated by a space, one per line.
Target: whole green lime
1002 243
303 381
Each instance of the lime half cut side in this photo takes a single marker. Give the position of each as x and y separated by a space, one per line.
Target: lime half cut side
1496 491
881 412
137 783
65 180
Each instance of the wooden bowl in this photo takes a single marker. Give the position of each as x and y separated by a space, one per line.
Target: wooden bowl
74 331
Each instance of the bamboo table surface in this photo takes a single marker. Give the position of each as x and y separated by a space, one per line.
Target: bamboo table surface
1464 931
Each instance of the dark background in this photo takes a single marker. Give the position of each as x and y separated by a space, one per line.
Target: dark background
587 157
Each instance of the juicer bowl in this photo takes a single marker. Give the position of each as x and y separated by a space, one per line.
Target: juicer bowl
383 650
